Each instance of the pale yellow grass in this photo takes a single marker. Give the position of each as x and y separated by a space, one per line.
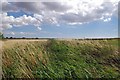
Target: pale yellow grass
11 42
30 57
1 43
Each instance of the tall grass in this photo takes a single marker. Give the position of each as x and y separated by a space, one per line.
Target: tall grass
61 59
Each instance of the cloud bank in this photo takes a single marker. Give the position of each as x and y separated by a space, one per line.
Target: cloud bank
69 12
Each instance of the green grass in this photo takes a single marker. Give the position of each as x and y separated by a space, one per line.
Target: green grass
61 59
114 42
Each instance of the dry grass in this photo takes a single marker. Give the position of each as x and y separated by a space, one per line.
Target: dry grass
1 43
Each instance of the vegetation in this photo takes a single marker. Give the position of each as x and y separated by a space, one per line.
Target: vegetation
1 36
61 59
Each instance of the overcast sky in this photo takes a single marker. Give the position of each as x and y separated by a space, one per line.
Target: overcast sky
63 19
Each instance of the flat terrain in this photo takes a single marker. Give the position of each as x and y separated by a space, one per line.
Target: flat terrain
60 58
1 43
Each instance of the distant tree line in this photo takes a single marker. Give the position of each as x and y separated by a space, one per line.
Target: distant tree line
2 37
25 38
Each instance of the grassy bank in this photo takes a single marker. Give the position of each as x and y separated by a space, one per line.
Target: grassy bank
61 59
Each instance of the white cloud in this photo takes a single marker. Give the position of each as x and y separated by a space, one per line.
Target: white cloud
106 20
12 33
22 33
19 33
9 21
39 28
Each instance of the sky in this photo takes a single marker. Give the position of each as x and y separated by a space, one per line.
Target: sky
59 19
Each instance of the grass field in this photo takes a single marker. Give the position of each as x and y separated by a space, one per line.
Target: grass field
60 59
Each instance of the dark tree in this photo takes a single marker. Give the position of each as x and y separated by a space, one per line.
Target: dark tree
6 37
11 37
23 37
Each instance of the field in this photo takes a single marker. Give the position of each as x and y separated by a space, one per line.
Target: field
54 58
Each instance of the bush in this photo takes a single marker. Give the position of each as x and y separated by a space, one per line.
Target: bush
1 36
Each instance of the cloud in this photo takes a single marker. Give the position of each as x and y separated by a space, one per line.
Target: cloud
106 20
89 12
118 9
39 28
38 17
19 33
22 33
38 7
8 7
12 33
9 21
62 12
56 6
30 7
